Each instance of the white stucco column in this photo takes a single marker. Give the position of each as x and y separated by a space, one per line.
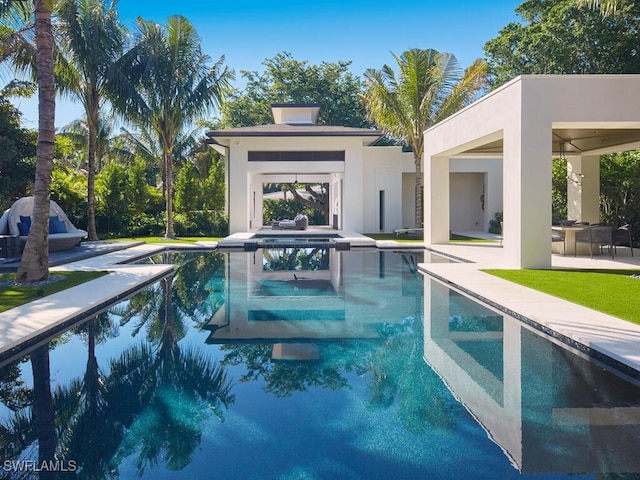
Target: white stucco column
583 188
353 204
436 199
239 194
527 193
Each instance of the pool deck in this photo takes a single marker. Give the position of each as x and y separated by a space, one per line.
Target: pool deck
599 332
36 322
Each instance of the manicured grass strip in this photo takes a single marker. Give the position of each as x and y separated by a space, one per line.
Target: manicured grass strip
13 296
613 292
403 237
463 238
180 240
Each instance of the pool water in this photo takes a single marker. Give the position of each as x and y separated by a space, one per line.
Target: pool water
357 367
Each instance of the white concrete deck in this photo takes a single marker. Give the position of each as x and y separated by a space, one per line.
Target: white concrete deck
32 323
603 333
240 239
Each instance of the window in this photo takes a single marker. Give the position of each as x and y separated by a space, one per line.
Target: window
290 156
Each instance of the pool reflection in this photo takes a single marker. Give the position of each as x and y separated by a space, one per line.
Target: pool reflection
549 408
307 295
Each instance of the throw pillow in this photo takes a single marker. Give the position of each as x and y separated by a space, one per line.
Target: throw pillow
53 220
24 225
61 227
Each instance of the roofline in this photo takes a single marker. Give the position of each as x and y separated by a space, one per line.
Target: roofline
221 133
294 105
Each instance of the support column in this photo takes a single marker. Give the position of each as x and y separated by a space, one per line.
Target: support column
583 188
436 200
527 194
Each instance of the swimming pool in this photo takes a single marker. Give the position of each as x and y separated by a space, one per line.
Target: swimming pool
312 363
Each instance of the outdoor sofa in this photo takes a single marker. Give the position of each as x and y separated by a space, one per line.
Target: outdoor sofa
63 235
300 222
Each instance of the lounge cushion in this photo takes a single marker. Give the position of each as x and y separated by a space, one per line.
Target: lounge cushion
24 225
56 225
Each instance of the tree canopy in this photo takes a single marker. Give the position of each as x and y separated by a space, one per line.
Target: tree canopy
18 147
286 80
561 37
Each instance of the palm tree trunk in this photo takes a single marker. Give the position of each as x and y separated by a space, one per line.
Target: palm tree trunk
168 171
34 265
91 182
43 408
419 191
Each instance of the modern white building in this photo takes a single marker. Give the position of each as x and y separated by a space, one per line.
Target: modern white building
528 121
371 188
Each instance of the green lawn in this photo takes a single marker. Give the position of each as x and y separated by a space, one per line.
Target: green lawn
13 296
403 237
180 240
462 238
613 292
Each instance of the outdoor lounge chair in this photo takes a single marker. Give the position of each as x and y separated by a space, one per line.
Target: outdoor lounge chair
300 222
63 235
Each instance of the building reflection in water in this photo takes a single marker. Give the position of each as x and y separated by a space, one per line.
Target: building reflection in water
549 408
298 297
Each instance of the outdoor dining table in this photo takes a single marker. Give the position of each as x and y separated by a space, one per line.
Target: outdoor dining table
570 246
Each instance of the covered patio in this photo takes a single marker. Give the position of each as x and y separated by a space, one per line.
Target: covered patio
527 122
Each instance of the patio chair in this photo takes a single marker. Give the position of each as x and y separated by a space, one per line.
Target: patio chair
597 237
622 237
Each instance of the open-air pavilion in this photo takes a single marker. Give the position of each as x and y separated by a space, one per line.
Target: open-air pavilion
527 122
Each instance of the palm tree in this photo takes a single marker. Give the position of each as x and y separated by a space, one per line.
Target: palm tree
34 264
92 40
430 87
105 145
142 143
168 86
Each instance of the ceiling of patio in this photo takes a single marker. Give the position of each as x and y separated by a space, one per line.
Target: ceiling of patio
577 141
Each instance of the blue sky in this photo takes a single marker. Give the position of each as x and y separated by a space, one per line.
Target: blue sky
364 32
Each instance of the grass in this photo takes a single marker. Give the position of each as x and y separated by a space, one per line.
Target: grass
462 238
403 237
613 292
180 240
14 296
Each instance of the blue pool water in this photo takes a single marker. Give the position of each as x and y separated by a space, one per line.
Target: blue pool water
313 364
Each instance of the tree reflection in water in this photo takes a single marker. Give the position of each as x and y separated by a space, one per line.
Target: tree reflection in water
152 400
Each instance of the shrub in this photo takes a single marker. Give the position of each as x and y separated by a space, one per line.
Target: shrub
281 209
494 225
200 223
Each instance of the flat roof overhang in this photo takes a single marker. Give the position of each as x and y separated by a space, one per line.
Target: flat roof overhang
578 121
225 137
573 141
